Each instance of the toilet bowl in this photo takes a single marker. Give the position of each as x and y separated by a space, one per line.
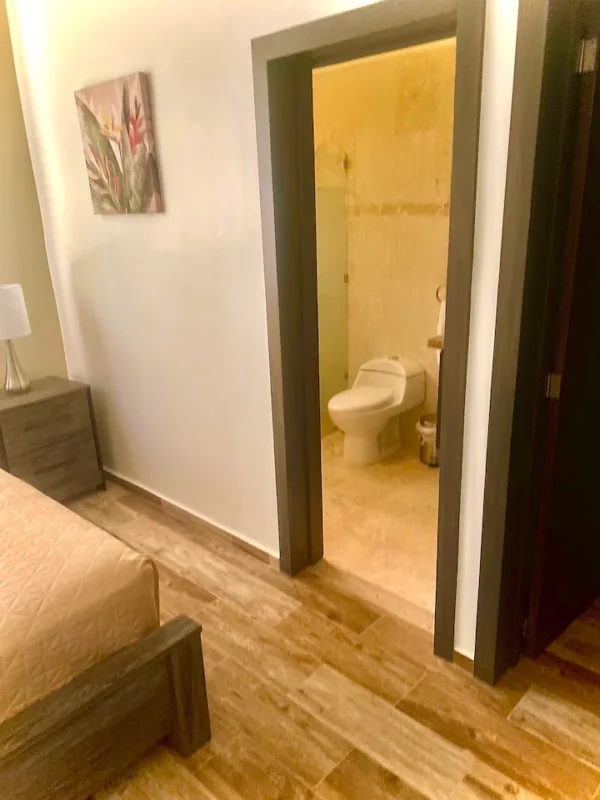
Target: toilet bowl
384 388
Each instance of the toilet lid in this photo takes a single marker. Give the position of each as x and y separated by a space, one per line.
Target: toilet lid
363 398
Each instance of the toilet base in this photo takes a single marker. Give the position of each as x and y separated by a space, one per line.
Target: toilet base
361 450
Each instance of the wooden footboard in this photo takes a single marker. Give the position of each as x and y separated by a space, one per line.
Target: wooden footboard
73 742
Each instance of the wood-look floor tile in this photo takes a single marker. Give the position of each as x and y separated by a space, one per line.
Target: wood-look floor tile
169 610
123 789
358 777
485 783
401 638
259 648
417 755
186 592
565 725
580 643
391 677
104 510
113 490
334 603
276 723
563 679
224 731
122 792
153 774
473 716
281 716
179 596
176 601
243 771
341 606
170 548
381 599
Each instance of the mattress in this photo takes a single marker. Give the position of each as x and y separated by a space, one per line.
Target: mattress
70 595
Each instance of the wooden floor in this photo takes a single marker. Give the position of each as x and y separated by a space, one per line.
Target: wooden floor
315 693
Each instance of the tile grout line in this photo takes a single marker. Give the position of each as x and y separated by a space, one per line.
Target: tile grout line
483 760
183 571
347 633
316 708
553 745
351 749
291 699
411 690
374 756
381 613
256 576
242 735
372 624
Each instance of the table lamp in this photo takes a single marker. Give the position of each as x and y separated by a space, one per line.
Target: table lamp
14 323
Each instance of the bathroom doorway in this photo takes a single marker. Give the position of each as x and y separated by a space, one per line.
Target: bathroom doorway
383 128
283 66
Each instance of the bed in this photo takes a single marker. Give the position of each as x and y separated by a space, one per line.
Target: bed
88 679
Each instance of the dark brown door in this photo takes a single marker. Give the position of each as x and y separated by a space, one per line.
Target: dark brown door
566 570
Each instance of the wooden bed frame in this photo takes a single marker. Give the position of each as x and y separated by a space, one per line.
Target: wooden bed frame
73 742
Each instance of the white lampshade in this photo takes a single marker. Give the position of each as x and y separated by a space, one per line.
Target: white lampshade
14 321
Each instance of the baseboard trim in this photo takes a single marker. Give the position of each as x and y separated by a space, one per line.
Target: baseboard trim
186 515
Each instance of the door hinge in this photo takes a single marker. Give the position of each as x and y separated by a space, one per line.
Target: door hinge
346 277
588 56
553 382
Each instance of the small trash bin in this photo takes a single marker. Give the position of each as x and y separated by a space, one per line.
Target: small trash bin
427 430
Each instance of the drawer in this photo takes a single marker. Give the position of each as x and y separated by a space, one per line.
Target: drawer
60 470
47 468
40 424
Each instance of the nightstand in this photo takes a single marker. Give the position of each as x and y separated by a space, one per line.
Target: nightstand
48 438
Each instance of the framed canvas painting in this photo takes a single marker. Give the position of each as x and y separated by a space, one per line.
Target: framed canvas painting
118 141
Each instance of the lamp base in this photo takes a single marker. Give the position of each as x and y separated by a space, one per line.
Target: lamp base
16 380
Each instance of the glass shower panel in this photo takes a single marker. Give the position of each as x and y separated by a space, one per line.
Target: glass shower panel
332 268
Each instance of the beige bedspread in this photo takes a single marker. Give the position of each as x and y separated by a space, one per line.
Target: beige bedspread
70 595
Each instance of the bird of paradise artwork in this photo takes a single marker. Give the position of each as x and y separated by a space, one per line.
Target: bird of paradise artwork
118 140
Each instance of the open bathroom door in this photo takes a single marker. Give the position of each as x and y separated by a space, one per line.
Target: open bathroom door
566 565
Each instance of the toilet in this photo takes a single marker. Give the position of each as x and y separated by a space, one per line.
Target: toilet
384 388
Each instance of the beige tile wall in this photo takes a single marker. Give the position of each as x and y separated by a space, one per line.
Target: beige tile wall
392 115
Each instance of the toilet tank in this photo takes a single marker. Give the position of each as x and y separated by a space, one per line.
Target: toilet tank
405 378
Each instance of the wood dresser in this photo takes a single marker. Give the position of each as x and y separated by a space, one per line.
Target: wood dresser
48 438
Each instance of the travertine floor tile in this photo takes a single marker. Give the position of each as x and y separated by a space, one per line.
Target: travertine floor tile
380 523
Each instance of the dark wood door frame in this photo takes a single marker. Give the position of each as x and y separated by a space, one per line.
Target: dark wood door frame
533 241
283 64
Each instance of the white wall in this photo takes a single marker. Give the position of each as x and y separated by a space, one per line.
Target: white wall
22 253
498 73
165 315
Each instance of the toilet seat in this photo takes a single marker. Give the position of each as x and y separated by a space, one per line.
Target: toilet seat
363 398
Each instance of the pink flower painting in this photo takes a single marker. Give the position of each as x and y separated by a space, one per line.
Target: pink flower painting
120 156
